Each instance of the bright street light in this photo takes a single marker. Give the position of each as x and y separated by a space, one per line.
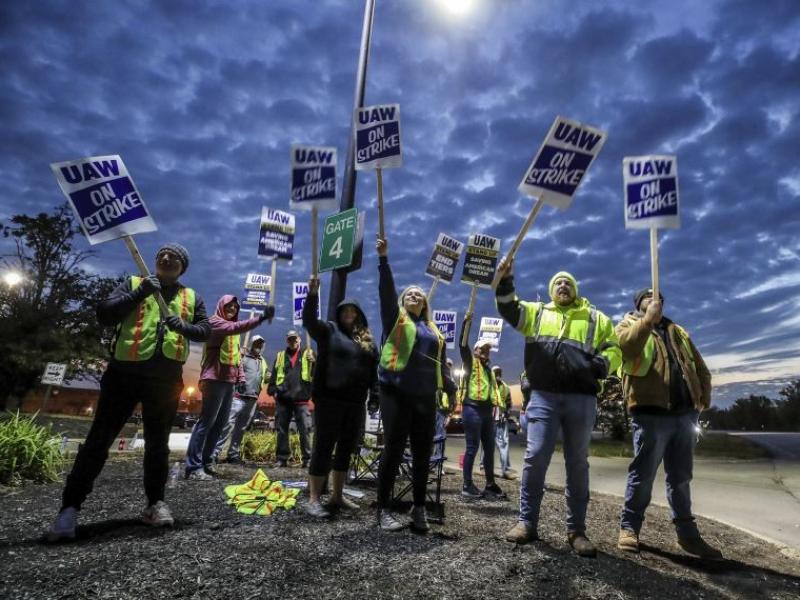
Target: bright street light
189 391
12 278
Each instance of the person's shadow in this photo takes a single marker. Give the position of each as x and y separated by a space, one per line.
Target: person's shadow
108 530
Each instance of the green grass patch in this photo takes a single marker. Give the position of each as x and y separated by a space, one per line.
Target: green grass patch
28 451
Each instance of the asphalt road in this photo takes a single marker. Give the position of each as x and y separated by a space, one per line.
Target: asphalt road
761 497
782 445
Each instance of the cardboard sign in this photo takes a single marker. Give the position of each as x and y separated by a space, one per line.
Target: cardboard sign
338 240
491 329
651 192
255 300
562 162
377 130
444 259
446 321
299 295
54 374
104 197
276 237
313 177
480 260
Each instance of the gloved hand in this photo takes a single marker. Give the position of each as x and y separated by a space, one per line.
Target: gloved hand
269 314
599 366
174 323
150 285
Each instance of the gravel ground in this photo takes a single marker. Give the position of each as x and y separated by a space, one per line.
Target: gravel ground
214 552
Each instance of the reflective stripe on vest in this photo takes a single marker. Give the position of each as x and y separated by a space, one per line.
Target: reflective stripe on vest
546 326
481 388
137 335
280 367
397 348
640 366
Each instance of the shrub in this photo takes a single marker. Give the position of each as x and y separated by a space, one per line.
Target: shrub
261 446
28 452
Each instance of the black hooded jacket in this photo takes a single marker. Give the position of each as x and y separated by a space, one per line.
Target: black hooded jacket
345 370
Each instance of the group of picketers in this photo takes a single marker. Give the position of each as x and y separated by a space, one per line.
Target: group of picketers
570 348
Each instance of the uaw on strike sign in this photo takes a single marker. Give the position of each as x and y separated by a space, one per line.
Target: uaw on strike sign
562 162
104 197
651 192
313 177
378 137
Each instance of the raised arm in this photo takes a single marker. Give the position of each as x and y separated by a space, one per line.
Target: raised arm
387 291
316 328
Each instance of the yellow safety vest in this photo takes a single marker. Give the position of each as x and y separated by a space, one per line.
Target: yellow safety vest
137 335
305 366
480 387
400 342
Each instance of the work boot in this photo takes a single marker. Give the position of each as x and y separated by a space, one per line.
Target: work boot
63 527
628 540
508 475
316 510
387 521
493 492
419 520
158 515
282 463
198 475
521 533
697 546
581 544
235 461
210 470
471 491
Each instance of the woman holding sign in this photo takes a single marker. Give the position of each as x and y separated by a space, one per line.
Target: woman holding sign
412 369
347 370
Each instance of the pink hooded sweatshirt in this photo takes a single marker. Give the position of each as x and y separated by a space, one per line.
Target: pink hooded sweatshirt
221 328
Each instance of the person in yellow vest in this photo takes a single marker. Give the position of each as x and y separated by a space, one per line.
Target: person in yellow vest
480 398
666 384
412 369
502 414
570 348
220 371
290 385
444 406
146 366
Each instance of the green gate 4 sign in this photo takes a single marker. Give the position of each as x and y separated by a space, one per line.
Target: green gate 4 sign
338 240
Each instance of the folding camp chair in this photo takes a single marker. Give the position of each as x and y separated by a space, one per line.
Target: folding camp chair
367 457
404 483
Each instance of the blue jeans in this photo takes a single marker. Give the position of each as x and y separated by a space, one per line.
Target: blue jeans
547 413
439 432
656 437
501 440
478 431
242 410
217 397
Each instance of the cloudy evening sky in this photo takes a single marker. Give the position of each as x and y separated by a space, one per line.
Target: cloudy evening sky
202 99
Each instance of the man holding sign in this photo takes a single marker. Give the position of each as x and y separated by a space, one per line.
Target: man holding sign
146 366
570 348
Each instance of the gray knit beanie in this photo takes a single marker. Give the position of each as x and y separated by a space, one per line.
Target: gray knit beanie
180 251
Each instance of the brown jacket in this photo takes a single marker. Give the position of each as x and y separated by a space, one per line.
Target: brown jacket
653 388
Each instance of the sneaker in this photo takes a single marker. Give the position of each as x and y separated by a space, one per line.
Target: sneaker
470 491
282 463
628 540
234 461
419 519
63 527
198 475
158 515
581 544
493 492
508 475
521 534
388 522
697 546
316 510
342 504
209 470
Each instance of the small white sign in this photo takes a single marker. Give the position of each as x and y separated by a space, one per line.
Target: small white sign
491 329
651 192
377 133
54 374
445 320
258 281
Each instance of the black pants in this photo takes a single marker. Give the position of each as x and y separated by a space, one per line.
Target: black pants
405 416
337 423
119 394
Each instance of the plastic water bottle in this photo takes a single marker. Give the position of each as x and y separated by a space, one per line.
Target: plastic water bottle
174 475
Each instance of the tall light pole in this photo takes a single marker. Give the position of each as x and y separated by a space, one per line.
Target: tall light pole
338 285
